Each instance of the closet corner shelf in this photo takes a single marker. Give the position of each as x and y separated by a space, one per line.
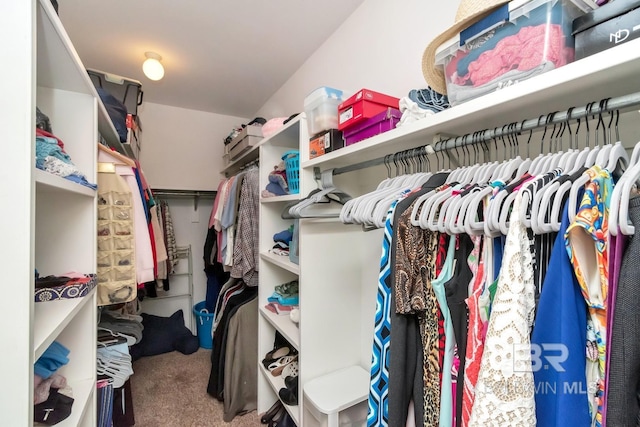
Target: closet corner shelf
235 166
49 182
276 199
284 325
277 383
610 73
290 130
254 152
281 261
51 317
82 394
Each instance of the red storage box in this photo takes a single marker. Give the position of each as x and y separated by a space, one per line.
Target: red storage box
377 124
364 105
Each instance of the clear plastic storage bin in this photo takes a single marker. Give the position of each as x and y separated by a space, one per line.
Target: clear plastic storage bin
321 108
520 40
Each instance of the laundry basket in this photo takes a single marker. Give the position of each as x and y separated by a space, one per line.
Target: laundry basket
204 323
292 168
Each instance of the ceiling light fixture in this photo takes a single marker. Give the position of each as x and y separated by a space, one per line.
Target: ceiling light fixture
152 66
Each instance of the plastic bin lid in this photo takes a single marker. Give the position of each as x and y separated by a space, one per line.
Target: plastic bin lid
321 94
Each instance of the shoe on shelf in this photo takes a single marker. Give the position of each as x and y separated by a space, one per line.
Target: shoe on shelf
291 370
289 382
271 412
278 366
289 396
276 354
278 417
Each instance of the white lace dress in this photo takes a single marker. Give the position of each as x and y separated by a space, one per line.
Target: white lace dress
505 388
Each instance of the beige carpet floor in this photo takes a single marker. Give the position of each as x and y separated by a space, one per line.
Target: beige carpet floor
170 390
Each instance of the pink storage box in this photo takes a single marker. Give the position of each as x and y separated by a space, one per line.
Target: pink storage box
377 124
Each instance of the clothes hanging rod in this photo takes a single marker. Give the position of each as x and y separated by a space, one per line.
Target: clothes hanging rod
183 193
195 194
594 108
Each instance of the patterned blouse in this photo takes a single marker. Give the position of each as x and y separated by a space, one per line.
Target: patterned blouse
586 242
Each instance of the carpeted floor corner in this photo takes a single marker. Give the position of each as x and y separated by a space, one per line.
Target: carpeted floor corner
170 390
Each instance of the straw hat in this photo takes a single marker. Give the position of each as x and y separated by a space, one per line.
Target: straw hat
469 12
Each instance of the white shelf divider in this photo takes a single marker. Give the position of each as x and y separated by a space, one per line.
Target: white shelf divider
284 325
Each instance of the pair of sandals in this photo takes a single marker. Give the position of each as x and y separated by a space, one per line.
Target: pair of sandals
278 359
285 366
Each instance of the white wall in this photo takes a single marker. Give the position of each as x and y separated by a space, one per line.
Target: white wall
379 47
182 148
190 229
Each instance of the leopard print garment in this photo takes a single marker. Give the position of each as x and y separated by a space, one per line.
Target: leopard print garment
431 341
416 251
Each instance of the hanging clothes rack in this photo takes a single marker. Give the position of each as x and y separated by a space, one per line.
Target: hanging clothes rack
621 103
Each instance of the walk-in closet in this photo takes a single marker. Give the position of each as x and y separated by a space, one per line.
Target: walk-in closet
320 214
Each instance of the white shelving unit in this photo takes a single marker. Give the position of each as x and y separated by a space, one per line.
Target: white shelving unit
277 269
49 223
339 264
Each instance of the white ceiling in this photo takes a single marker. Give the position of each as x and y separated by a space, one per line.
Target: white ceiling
220 56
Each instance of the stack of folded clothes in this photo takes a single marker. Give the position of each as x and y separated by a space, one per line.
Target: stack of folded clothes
284 298
282 240
278 185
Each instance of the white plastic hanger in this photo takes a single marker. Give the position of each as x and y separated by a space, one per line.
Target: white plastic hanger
458 217
579 183
618 157
618 211
308 207
476 201
346 212
372 212
619 208
499 213
130 339
450 209
422 203
540 206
